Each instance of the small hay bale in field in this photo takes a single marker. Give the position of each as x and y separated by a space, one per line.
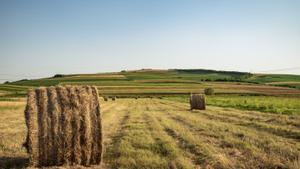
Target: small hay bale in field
113 98
105 98
64 126
197 101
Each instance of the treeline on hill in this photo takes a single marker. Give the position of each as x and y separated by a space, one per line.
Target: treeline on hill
231 76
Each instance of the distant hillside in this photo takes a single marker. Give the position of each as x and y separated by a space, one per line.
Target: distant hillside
171 75
166 82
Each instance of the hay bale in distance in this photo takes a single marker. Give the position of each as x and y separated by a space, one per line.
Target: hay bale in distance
209 91
64 126
105 98
113 98
197 101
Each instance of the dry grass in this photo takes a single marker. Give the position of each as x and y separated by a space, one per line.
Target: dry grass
12 135
156 133
64 126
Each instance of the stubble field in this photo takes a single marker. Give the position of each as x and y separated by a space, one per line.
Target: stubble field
158 133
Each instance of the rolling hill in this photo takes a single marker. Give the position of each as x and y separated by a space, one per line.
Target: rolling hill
166 82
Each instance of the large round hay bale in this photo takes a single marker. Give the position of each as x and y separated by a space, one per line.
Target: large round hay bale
64 126
197 101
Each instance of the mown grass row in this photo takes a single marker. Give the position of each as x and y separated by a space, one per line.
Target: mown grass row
142 143
183 139
157 133
244 147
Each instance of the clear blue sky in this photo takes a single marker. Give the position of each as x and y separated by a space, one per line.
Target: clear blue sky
41 38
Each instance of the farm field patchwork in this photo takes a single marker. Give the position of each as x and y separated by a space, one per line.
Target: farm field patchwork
167 82
121 88
159 133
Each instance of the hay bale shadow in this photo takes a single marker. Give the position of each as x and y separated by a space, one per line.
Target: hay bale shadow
13 162
112 148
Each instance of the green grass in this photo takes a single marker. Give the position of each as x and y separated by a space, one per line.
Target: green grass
267 78
271 104
281 105
13 88
8 99
56 81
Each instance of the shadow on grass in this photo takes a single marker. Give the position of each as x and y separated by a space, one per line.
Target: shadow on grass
112 149
13 162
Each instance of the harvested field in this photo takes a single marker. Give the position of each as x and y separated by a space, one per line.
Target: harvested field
259 89
158 133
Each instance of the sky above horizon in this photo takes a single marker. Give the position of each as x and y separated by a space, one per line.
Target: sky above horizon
43 38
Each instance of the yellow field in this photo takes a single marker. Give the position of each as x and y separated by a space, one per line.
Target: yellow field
156 133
